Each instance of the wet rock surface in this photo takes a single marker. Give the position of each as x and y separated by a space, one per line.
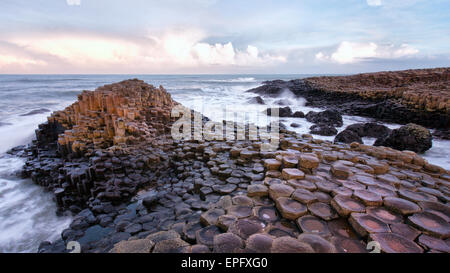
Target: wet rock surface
139 190
420 96
410 137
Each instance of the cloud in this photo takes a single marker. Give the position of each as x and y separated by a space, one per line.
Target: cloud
171 49
73 2
374 3
350 52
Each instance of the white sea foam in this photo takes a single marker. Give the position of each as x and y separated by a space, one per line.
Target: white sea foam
27 213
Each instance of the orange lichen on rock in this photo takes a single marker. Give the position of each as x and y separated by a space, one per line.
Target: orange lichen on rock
112 115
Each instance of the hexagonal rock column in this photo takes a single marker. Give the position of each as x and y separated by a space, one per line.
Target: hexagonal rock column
291 173
393 243
288 244
431 224
308 162
365 224
280 190
290 209
345 205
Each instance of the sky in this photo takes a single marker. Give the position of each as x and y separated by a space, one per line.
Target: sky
222 36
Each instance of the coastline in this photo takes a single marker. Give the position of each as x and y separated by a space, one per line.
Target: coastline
198 194
417 96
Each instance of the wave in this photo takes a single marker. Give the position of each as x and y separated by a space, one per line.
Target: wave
236 80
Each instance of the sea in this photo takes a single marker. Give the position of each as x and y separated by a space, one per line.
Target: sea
28 213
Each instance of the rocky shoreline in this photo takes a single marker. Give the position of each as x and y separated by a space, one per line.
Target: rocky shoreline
111 161
410 96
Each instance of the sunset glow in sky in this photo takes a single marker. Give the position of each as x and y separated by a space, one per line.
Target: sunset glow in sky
229 36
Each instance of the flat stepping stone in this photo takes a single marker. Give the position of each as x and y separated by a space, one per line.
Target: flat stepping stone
434 243
269 181
246 227
378 167
401 206
368 198
211 216
308 161
390 179
240 211
365 224
257 190
287 244
171 246
340 170
437 208
163 235
259 243
280 190
322 210
326 186
341 227
242 200
430 191
267 214
290 209
353 185
431 224
189 231
303 196
304 184
225 221
346 245
290 162
205 236
365 180
277 232
318 244
405 230
272 164
383 192
385 215
416 196
200 249
314 225
224 189
342 191
345 205
227 243
134 246
394 243
322 197
292 173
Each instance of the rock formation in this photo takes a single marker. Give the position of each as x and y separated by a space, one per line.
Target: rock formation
408 137
418 96
138 190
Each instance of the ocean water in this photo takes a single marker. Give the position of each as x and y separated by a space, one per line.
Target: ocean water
28 214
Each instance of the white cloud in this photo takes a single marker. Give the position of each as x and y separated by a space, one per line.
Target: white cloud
73 2
350 52
172 49
374 3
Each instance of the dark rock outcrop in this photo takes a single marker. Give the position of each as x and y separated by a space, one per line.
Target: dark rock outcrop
370 129
256 100
417 96
286 112
323 130
355 132
328 117
348 136
410 137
